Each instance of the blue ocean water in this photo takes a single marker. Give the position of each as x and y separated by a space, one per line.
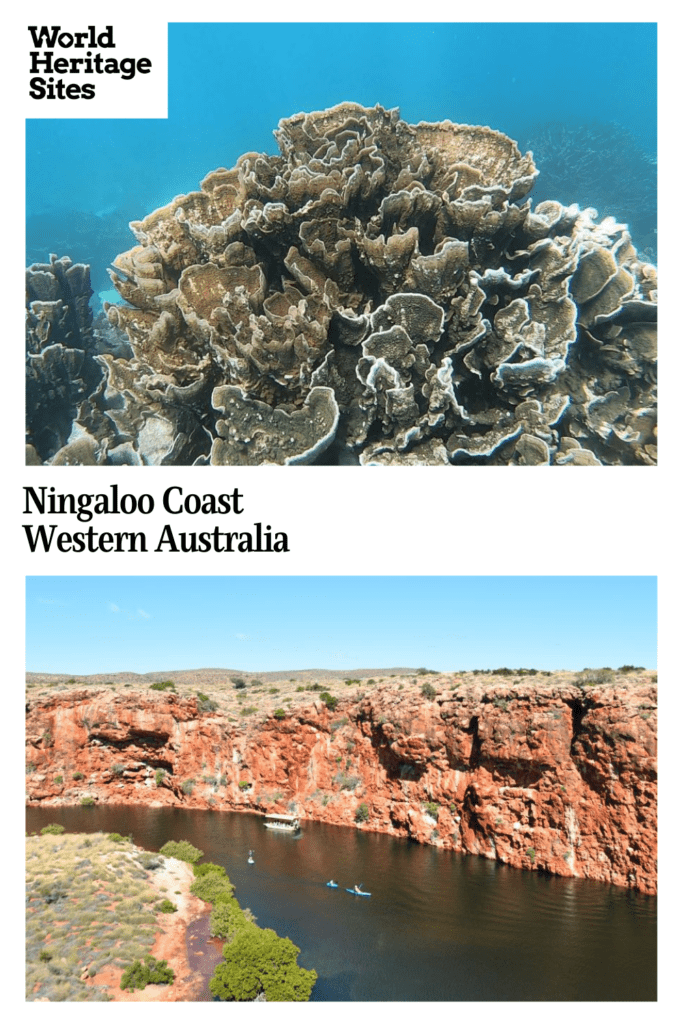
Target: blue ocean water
229 85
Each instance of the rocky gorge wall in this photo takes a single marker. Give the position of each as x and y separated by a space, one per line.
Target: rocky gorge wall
553 778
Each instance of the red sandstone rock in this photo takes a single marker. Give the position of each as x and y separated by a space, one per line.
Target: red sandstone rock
550 778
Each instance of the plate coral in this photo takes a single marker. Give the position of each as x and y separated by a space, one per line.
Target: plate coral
378 293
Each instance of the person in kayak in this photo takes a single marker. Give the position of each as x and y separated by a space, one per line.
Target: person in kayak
357 888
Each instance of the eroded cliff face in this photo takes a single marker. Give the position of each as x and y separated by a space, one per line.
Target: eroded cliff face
551 778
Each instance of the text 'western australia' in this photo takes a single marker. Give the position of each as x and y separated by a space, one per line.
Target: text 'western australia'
46 538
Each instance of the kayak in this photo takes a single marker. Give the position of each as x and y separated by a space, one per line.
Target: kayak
354 893
332 885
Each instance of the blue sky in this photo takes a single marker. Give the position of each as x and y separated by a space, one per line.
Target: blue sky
94 624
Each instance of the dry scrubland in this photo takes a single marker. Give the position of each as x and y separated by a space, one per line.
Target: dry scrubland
240 695
92 908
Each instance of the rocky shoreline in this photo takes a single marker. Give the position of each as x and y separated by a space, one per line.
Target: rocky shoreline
541 775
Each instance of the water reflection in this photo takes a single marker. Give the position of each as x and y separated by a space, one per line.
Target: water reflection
439 926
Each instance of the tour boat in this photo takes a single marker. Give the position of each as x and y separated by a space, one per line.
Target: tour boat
282 822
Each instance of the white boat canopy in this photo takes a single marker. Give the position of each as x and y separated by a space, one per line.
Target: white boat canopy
282 817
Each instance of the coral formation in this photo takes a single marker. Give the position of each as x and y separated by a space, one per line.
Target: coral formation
378 293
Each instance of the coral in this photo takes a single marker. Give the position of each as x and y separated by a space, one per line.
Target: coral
378 293
62 368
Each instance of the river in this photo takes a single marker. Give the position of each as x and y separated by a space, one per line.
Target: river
439 925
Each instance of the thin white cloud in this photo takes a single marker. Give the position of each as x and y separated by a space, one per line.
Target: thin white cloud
143 614
242 636
113 607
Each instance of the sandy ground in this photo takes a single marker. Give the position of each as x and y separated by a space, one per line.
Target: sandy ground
170 941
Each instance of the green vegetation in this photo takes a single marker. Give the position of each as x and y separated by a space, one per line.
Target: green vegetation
427 690
205 705
238 683
159 776
249 710
77 776
167 685
187 786
166 907
147 972
89 904
87 801
181 850
59 779
52 830
116 837
362 813
345 781
244 784
279 713
595 677
432 810
329 701
213 887
257 962
531 854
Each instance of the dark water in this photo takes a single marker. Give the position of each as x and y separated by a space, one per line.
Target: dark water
439 926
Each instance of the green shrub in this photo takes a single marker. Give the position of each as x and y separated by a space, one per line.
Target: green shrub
258 961
531 854
188 786
238 683
59 779
181 850
427 690
118 769
206 705
200 870
166 907
159 776
249 710
279 713
52 830
168 685
147 972
116 837
362 813
87 801
77 776
227 919
330 701
244 784
212 888
432 810
345 781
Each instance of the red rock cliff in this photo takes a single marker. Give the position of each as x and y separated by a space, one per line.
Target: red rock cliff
551 778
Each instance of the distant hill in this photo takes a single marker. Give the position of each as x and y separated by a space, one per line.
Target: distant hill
207 676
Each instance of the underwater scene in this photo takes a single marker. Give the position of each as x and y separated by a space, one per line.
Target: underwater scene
358 244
